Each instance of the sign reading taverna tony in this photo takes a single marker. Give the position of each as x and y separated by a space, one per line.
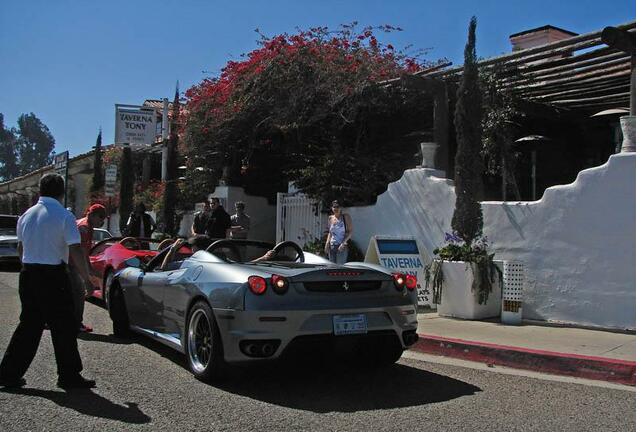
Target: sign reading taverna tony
135 124
403 255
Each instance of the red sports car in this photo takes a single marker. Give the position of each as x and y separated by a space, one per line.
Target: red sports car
109 256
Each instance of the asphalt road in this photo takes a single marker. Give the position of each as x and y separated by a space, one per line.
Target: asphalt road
144 386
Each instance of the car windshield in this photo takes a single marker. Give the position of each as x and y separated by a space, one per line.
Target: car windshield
8 225
100 234
243 251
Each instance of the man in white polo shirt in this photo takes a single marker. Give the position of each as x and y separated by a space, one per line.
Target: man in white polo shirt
47 235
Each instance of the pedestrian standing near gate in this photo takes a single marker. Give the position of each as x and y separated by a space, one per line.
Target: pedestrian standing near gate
47 236
200 223
140 223
219 223
240 222
340 231
94 219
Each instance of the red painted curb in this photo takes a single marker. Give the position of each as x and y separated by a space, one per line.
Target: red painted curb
597 368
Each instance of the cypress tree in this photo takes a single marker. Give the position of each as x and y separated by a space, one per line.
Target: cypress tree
170 195
126 187
98 170
467 219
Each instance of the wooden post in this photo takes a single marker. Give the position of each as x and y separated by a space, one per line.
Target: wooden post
625 41
109 207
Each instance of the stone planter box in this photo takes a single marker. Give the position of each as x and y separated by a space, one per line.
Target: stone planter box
459 301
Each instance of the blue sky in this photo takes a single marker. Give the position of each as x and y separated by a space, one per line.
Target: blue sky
71 61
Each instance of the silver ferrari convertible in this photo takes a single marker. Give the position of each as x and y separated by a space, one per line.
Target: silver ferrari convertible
242 301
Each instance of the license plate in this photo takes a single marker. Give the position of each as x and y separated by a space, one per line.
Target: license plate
349 324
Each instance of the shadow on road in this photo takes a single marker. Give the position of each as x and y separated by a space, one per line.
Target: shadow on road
96 337
91 404
327 389
10 267
307 384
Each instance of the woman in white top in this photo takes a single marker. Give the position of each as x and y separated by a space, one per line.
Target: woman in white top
340 231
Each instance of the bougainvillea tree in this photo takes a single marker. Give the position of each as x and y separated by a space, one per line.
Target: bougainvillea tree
313 108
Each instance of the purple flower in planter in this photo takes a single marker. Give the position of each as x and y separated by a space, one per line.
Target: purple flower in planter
451 238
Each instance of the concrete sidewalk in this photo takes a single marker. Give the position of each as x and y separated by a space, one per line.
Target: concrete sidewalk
592 354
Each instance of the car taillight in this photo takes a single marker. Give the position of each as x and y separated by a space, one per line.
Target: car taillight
399 280
411 282
257 284
279 284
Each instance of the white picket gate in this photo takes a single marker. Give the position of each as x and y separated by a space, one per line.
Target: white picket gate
299 218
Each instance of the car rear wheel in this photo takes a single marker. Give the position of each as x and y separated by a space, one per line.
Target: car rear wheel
388 356
203 343
118 313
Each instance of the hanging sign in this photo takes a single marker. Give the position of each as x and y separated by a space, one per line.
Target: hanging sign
110 179
60 165
135 125
401 254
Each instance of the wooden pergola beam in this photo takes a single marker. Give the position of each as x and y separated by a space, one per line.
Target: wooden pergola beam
573 82
529 55
620 96
600 105
623 40
568 60
592 90
618 59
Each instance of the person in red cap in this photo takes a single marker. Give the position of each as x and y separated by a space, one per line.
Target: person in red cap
94 218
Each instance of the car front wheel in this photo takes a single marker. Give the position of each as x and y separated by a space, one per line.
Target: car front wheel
118 313
203 343
108 280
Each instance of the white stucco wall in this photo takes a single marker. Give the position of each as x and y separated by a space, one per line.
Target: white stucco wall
419 204
578 242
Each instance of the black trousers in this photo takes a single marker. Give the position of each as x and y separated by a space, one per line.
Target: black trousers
45 294
79 296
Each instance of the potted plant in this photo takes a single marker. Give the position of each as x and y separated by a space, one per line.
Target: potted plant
464 278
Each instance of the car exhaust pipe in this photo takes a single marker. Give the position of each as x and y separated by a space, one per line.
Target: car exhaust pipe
259 348
267 349
251 349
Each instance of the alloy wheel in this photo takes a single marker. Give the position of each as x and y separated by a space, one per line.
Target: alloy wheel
199 341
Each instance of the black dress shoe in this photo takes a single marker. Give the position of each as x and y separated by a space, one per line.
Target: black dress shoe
14 383
77 382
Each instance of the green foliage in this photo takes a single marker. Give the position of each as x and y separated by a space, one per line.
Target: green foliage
8 154
467 218
97 182
25 148
126 184
317 247
502 114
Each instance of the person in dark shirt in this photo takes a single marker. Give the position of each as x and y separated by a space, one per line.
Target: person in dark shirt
219 222
200 223
140 223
